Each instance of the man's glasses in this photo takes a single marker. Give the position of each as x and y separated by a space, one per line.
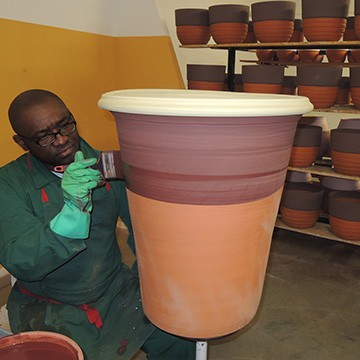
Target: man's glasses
64 130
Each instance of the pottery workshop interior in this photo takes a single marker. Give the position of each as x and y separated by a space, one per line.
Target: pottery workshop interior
180 179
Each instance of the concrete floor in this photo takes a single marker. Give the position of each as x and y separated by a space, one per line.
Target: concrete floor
310 308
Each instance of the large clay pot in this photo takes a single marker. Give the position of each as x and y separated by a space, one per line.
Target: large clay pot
344 214
320 84
39 345
345 151
206 77
196 179
263 78
324 20
325 135
229 23
192 26
273 20
300 204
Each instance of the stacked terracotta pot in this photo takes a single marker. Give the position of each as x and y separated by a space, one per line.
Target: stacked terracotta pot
206 77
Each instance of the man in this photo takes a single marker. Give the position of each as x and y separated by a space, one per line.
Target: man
58 238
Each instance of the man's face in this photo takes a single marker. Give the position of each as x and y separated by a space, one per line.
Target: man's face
41 120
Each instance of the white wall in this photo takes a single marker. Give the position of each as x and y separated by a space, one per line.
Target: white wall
107 17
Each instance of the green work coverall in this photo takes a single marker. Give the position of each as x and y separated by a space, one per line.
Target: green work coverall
59 278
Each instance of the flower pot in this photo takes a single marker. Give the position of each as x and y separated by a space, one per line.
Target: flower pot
192 26
350 33
300 204
273 21
286 56
306 145
331 184
345 151
229 23
187 199
250 37
336 55
298 34
39 345
263 78
344 97
344 214
265 55
325 134
289 85
206 77
324 20
310 56
320 84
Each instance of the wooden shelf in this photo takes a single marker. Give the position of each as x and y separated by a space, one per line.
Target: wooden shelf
323 171
281 45
319 230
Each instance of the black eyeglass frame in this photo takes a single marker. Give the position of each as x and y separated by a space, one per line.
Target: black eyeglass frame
55 134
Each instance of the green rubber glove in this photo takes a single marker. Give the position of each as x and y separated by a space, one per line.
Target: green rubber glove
73 221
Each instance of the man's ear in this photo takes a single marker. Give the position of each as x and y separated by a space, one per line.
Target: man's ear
20 141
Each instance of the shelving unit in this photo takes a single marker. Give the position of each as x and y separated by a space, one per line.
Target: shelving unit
321 228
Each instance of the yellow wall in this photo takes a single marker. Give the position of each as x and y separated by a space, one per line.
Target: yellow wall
79 67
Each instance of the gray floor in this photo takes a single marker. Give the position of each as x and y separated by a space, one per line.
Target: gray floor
310 308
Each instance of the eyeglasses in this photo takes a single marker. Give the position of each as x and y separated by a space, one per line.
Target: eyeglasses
64 130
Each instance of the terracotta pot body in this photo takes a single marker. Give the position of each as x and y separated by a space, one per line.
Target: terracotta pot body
229 23
192 26
306 145
273 21
324 20
206 77
344 214
300 204
263 78
325 135
345 151
320 84
39 345
331 184
310 56
336 56
186 199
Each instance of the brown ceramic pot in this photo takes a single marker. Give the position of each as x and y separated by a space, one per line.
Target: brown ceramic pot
350 33
355 86
35 345
325 134
263 78
300 204
206 77
344 214
229 23
324 20
192 26
331 184
298 34
185 201
345 151
320 84
273 21
336 55
310 56
344 97
306 145
289 85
